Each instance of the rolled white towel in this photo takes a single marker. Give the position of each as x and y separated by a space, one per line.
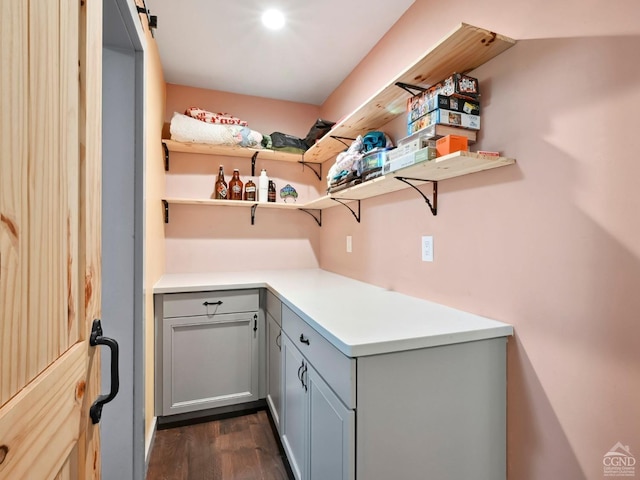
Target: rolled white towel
186 129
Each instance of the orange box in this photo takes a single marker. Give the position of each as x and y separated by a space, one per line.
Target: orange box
450 144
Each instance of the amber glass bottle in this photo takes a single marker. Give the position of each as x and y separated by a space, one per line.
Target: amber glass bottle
235 186
250 191
272 191
221 185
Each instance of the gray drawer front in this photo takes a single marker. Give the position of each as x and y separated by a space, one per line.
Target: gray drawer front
274 307
191 304
338 370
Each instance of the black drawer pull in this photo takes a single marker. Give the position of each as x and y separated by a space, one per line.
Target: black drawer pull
206 304
304 340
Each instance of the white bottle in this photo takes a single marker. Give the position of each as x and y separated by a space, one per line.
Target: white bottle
263 187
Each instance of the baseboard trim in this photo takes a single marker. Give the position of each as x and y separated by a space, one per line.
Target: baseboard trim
283 453
148 443
201 416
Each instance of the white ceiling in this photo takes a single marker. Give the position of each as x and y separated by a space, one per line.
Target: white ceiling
222 44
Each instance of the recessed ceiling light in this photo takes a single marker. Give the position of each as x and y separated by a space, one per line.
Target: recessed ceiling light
273 19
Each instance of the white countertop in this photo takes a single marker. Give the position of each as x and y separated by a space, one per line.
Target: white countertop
357 318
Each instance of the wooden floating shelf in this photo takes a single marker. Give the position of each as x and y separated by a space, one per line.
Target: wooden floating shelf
231 151
455 164
464 49
232 203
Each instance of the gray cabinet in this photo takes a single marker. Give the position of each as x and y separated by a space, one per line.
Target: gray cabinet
436 412
274 356
294 431
331 432
428 412
431 412
318 428
208 349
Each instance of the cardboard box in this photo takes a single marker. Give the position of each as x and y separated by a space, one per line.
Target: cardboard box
421 105
461 84
404 149
451 143
428 135
490 154
425 154
458 104
445 117
422 155
458 93
374 159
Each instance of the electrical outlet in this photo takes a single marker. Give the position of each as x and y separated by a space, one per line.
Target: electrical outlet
427 248
349 244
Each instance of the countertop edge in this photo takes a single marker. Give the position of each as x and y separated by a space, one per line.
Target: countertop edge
198 282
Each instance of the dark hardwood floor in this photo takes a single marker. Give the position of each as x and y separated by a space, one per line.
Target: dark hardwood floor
238 448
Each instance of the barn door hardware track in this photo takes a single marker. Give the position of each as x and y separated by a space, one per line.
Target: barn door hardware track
356 216
434 207
152 20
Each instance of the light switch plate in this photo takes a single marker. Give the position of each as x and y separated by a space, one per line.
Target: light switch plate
427 248
349 244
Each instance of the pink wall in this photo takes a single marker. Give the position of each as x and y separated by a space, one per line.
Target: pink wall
551 244
205 238
263 114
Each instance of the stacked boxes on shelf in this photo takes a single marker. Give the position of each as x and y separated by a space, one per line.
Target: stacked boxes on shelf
452 102
397 162
443 119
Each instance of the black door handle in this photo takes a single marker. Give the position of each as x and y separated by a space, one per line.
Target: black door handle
304 340
255 322
206 304
96 338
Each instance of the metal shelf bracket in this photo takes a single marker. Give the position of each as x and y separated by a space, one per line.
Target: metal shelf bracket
407 87
253 211
357 217
309 211
313 169
166 211
166 157
253 167
434 207
341 139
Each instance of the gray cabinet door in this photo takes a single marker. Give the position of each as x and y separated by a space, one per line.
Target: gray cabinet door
274 368
209 361
294 409
318 430
331 432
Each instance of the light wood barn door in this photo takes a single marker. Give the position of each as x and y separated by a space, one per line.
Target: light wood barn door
50 101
